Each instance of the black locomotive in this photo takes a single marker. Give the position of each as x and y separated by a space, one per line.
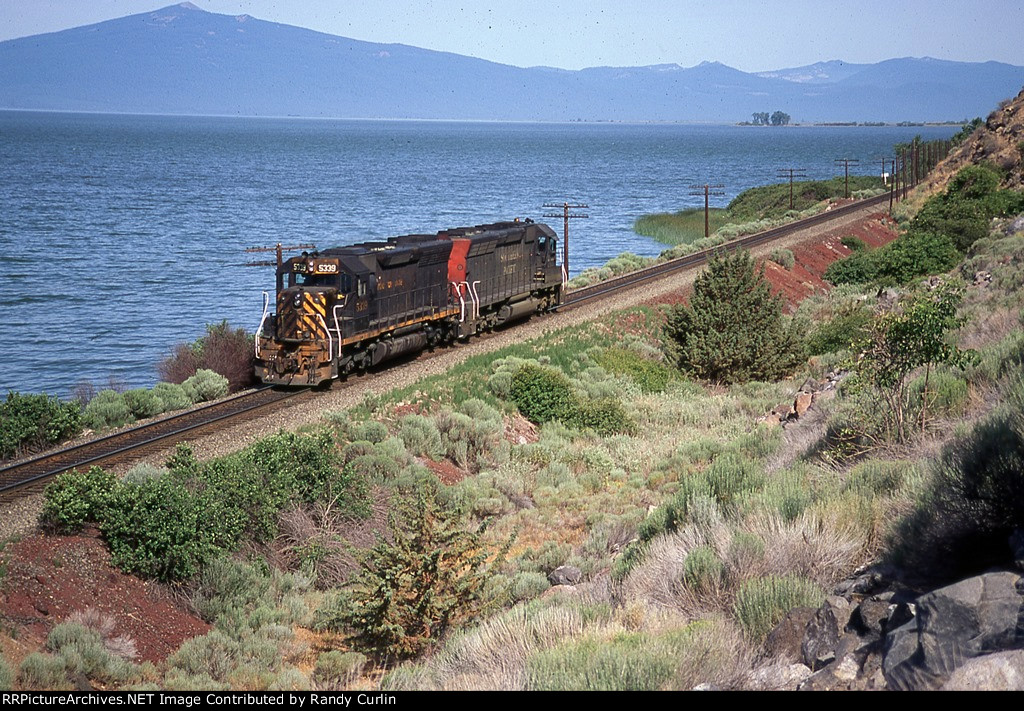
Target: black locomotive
349 308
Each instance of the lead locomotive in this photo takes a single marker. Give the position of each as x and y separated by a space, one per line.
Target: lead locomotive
349 308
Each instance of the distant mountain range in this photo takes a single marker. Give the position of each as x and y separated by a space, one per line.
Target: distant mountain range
183 60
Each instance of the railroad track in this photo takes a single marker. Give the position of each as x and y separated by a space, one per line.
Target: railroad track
30 476
656 271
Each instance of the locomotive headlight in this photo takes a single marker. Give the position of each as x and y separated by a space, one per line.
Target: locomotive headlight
297 300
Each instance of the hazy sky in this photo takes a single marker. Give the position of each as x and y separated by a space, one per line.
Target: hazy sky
571 34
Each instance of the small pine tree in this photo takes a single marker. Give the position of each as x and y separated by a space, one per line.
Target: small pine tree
732 330
428 578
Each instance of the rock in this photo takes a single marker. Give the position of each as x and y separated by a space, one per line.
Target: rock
784 643
565 575
864 584
955 624
1015 226
777 677
802 403
820 638
869 618
1001 671
810 386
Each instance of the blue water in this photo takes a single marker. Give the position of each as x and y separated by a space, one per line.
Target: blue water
121 236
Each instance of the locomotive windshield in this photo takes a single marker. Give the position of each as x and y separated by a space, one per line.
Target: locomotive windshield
295 279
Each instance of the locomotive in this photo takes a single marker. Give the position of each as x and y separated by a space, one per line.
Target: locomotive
348 308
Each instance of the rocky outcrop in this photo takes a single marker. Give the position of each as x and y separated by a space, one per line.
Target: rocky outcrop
810 391
953 625
968 635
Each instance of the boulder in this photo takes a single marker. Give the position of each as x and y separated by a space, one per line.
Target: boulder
565 575
802 403
820 638
1001 671
777 677
784 643
953 625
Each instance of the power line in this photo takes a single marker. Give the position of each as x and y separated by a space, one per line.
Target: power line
566 216
791 173
707 194
847 162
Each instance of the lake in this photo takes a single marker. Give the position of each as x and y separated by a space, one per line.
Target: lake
121 236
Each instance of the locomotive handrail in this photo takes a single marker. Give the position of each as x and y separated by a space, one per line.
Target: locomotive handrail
259 331
462 302
330 339
337 326
476 299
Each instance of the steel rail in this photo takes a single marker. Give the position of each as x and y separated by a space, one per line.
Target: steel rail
20 475
655 271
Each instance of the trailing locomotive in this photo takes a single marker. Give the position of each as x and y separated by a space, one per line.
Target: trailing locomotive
348 308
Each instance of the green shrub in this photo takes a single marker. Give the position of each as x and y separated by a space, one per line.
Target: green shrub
31 422
732 329
43 672
222 349
528 585
854 244
226 585
162 530
542 394
336 671
421 436
107 409
703 571
369 431
172 397
76 498
761 603
784 258
732 475
84 652
143 472
847 327
651 376
412 589
6 676
143 403
220 656
947 393
942 230
745 549
629 662
205 385
876 477
605 416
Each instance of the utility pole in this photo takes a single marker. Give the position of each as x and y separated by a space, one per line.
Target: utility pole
903 167
279 248
707 193
892 186
847 162
883 160
566 215
791 172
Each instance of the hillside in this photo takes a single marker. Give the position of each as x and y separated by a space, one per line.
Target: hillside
1000 141
182 60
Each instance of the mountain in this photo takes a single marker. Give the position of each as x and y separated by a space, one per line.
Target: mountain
183 60
819 73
